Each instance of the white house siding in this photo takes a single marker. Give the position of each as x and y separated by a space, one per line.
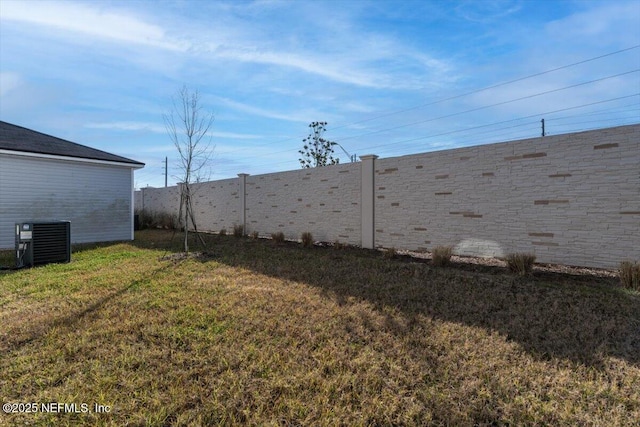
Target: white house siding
96 198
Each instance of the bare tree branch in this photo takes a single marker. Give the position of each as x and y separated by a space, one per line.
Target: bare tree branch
188 128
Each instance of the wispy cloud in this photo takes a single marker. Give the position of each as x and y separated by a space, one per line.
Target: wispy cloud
90 21
332 70
487 11
8 82
233 135
604 23
128 126
161 129
298 116
164 149
348 56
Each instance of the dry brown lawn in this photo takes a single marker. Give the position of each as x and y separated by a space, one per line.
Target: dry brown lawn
252 333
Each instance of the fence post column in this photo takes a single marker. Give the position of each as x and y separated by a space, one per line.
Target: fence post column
367 196
243 201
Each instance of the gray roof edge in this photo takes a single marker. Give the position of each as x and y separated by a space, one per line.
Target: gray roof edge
22 153
31 141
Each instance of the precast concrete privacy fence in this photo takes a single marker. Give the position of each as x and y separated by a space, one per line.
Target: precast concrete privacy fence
572 199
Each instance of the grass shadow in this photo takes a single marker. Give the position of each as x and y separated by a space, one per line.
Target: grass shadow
8 261
551 315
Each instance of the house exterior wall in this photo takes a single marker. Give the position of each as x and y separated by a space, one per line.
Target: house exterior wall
96 198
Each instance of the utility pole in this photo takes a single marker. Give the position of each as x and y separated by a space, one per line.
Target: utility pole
542 121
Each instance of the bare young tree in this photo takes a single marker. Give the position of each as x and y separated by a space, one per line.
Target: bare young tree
188 127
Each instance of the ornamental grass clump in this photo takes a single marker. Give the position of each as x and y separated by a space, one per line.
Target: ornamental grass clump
277 237
520 263
307 239
390 253
630 274
238 230
441 255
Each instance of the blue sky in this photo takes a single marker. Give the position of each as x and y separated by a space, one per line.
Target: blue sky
389 77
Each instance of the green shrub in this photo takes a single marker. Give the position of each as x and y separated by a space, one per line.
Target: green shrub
149 219
307 239
238 230
630 274
277 237
520 263
441 255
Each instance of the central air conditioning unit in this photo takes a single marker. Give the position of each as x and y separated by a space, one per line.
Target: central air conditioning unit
39 243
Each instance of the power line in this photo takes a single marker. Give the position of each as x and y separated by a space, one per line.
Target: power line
466 136
506 121
492 86
558 128
588 121
462 112
456 96
602 112
484 107
474 128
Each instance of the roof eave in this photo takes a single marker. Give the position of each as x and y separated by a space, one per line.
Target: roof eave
132 165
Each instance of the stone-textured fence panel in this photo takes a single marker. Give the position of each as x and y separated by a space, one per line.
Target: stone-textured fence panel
324 201
572 199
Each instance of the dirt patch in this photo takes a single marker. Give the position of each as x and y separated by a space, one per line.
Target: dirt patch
181 256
